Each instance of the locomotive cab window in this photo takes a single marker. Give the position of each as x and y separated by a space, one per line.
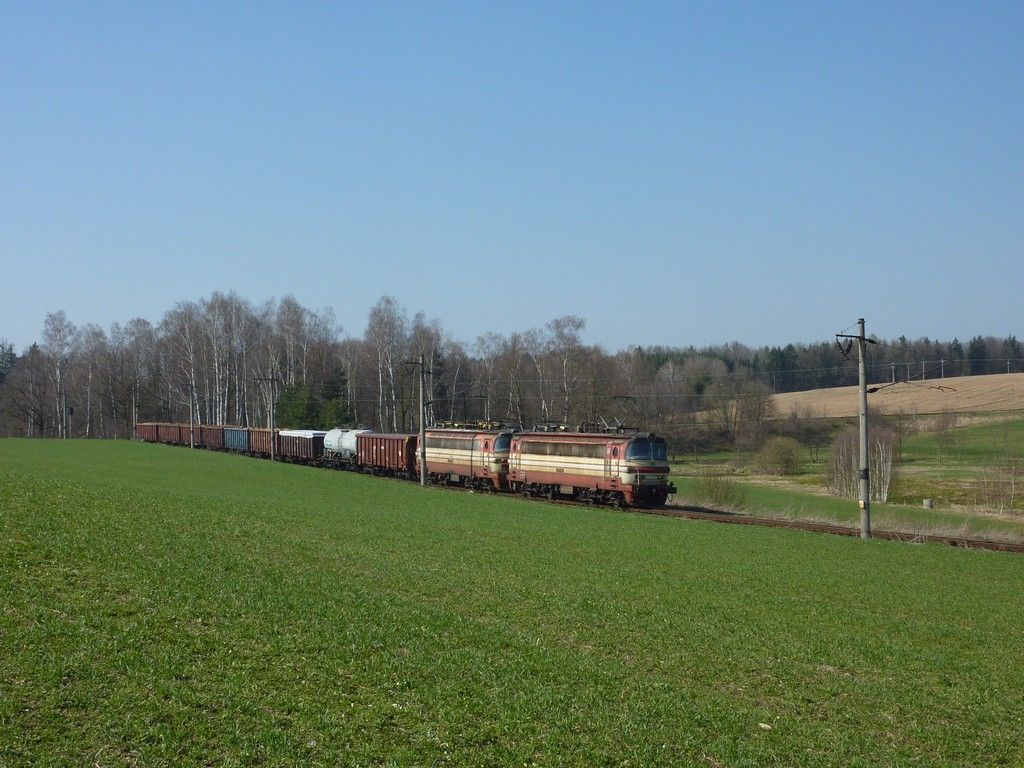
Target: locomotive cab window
639 450
502 442
615 452
647 450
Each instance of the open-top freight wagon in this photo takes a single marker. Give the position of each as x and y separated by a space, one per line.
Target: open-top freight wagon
147 432
236 439
211 437
263 442
386 454
172 434
301 445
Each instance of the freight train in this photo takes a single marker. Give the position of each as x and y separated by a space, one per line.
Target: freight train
622 469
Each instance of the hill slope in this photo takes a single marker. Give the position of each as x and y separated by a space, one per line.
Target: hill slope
163 606
963 394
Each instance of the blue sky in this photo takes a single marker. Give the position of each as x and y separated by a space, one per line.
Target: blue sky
673 173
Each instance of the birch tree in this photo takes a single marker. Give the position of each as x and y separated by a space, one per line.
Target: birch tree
58 343
386 333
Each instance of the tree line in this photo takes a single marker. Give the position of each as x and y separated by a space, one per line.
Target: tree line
225 360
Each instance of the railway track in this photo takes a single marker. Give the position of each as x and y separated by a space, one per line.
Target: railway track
697 513
729 518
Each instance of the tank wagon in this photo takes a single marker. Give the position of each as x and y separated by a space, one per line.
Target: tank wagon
340 447
618 469
476 459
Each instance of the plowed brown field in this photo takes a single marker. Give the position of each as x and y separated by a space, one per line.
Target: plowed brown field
964 394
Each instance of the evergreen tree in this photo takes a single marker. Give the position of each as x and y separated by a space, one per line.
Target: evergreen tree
333 410
977 356
781 368
1013 352
295 408
956 358
334 413
7 358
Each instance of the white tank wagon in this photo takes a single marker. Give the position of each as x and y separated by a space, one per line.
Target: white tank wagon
340 446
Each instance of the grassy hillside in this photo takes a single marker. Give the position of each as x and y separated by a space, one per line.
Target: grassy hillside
761 498
970 466
982 443
162 606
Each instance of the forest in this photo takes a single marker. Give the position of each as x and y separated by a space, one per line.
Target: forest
225 360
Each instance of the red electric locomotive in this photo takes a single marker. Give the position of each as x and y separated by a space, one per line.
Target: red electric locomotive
470 457
619 469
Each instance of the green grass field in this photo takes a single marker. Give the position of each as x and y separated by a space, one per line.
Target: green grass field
767 501
966 471
169 607
981 443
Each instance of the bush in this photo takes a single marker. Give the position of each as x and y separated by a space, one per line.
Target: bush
779 456
842 476
719 492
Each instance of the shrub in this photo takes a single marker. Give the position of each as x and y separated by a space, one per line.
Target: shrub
779 456
719 492
842 477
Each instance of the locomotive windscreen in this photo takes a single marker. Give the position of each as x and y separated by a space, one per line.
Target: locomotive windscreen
643 449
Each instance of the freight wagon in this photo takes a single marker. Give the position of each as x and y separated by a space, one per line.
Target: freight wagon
147 432
172 434
387 454
301 445
211 437
263 442
236 439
